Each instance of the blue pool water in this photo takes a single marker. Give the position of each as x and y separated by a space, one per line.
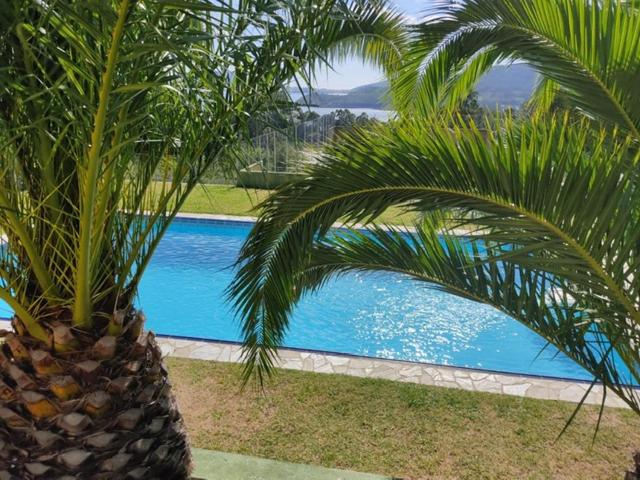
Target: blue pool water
373 314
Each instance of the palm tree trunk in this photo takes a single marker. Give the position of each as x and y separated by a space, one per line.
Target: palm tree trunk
88 407
635 473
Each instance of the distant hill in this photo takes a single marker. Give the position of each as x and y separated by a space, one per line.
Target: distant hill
366 96
503 86
506 86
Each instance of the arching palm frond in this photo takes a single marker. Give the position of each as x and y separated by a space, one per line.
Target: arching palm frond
369 30
591 50
551 203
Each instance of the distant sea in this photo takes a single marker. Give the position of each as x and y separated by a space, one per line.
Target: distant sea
382 115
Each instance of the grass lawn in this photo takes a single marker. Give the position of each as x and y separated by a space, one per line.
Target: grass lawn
229 200
224 199
410 431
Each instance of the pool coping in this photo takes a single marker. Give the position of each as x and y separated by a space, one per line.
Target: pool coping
370 357
248 220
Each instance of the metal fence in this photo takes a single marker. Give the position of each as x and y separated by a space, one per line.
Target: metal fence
289 150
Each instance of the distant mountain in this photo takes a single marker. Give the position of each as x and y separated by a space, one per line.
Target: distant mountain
366 96
506 86
502 86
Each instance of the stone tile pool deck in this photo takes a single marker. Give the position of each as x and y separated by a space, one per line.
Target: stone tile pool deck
544 388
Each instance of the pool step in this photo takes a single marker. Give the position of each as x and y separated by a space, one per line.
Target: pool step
210 465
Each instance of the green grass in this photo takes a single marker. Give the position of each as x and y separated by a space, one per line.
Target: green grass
228 200
410 431
224 199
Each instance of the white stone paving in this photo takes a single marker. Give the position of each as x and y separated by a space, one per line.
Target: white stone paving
425 374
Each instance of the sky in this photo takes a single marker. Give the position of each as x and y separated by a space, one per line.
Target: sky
353 73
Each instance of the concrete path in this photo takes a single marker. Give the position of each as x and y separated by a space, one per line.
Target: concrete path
210 465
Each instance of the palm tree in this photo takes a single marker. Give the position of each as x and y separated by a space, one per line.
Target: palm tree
551 201
110 112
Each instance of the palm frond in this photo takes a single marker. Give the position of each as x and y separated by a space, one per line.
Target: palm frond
591 50
552 199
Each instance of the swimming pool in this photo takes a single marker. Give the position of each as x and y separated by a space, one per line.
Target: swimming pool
372 314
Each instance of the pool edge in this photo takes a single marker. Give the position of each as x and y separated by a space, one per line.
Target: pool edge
465 378
369 357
